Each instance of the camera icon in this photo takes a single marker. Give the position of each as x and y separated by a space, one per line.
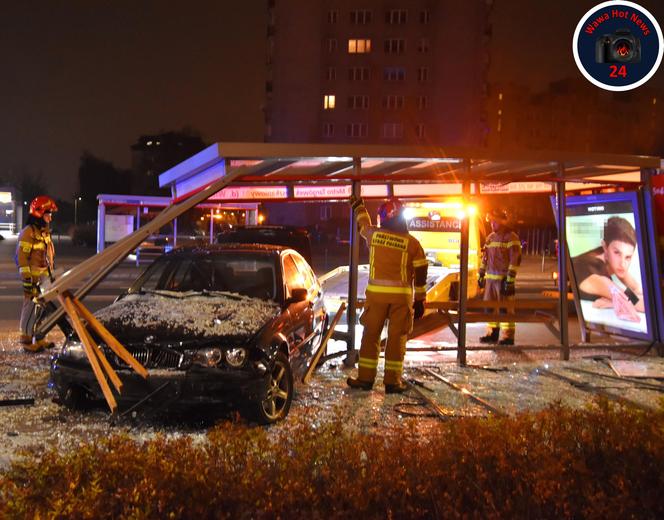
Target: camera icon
621 46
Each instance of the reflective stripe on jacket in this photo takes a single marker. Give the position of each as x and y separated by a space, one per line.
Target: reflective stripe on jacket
34 251
396 262
502 255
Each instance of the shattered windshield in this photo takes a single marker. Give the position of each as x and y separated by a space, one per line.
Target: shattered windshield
249 275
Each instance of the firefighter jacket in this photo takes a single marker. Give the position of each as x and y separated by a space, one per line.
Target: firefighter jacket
34 252
396 263
502 255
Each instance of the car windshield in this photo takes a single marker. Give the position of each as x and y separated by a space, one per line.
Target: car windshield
249 275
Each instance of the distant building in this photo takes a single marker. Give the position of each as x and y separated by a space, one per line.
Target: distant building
154 154
380 72
571 114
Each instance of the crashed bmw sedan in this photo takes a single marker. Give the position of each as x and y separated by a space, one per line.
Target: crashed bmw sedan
229 324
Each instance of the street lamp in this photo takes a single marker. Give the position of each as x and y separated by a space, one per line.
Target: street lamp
76 201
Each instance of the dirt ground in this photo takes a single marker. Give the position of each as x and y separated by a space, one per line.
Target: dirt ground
507 382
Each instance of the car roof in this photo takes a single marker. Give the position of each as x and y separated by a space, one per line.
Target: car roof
200 250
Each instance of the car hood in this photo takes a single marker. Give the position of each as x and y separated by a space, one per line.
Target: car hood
177 316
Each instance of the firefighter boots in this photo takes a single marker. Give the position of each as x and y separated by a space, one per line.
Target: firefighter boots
396 388
506 341
359 384
491 337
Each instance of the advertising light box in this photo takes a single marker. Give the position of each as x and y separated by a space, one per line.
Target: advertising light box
605 244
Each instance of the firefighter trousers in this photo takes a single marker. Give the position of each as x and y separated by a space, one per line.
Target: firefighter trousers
400 324
492 292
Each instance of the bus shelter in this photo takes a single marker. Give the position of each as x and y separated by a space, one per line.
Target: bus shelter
120 215
253 172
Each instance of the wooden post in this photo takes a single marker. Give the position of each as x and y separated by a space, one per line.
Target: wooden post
68 306
110 340
323 344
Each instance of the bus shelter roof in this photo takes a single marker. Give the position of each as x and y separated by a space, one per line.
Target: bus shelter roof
292 164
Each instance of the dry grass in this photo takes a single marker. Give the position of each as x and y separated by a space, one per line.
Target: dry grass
602 462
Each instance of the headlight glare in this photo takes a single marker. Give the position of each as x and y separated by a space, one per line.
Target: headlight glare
236 357
208 357
74 350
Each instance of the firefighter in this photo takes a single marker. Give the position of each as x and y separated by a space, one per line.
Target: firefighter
497 276
396 263
34 258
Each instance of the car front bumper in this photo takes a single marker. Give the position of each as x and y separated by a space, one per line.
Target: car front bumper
181 387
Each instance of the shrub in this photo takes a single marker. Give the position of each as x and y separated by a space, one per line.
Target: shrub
604 462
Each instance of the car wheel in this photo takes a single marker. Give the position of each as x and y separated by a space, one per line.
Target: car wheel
279 395
75 397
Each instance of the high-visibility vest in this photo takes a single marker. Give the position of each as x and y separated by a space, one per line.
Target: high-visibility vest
397 264
502 255
34 251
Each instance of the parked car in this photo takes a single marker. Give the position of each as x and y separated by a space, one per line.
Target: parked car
290 236
228 324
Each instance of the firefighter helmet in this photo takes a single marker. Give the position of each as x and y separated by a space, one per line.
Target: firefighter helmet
499 215
41 205
389 210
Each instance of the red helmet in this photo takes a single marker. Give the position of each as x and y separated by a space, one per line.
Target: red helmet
389 210
41 205
498 215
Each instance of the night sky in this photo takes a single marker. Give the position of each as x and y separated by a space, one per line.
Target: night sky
94 75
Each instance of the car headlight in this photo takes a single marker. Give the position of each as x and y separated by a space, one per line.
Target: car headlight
74 350
208 357
236 357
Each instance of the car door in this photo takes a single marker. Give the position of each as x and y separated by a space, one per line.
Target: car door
299 312
316 310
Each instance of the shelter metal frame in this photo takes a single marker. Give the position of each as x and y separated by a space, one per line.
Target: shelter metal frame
253 172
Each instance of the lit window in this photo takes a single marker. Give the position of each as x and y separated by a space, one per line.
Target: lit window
393 102
328 130
360 17
423 74
329 102
500 96
419 131
394 74
425 16
361 46
392 131
396 16
358 73
331 45
422 102
332 16
357 130
358 102
423 45
395 46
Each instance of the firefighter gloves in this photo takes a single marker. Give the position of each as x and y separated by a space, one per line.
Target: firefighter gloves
355 202
507 288
418 309
29 288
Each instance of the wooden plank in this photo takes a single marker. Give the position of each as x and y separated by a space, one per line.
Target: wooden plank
110 340
70 309
323 344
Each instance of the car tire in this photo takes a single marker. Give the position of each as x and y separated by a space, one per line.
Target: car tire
75 397
279 396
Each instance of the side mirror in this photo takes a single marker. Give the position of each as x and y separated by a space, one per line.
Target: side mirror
298 294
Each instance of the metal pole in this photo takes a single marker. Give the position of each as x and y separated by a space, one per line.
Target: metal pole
211 224
138 226
101 227
175 232
463 272
651 235
562 265
351 312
